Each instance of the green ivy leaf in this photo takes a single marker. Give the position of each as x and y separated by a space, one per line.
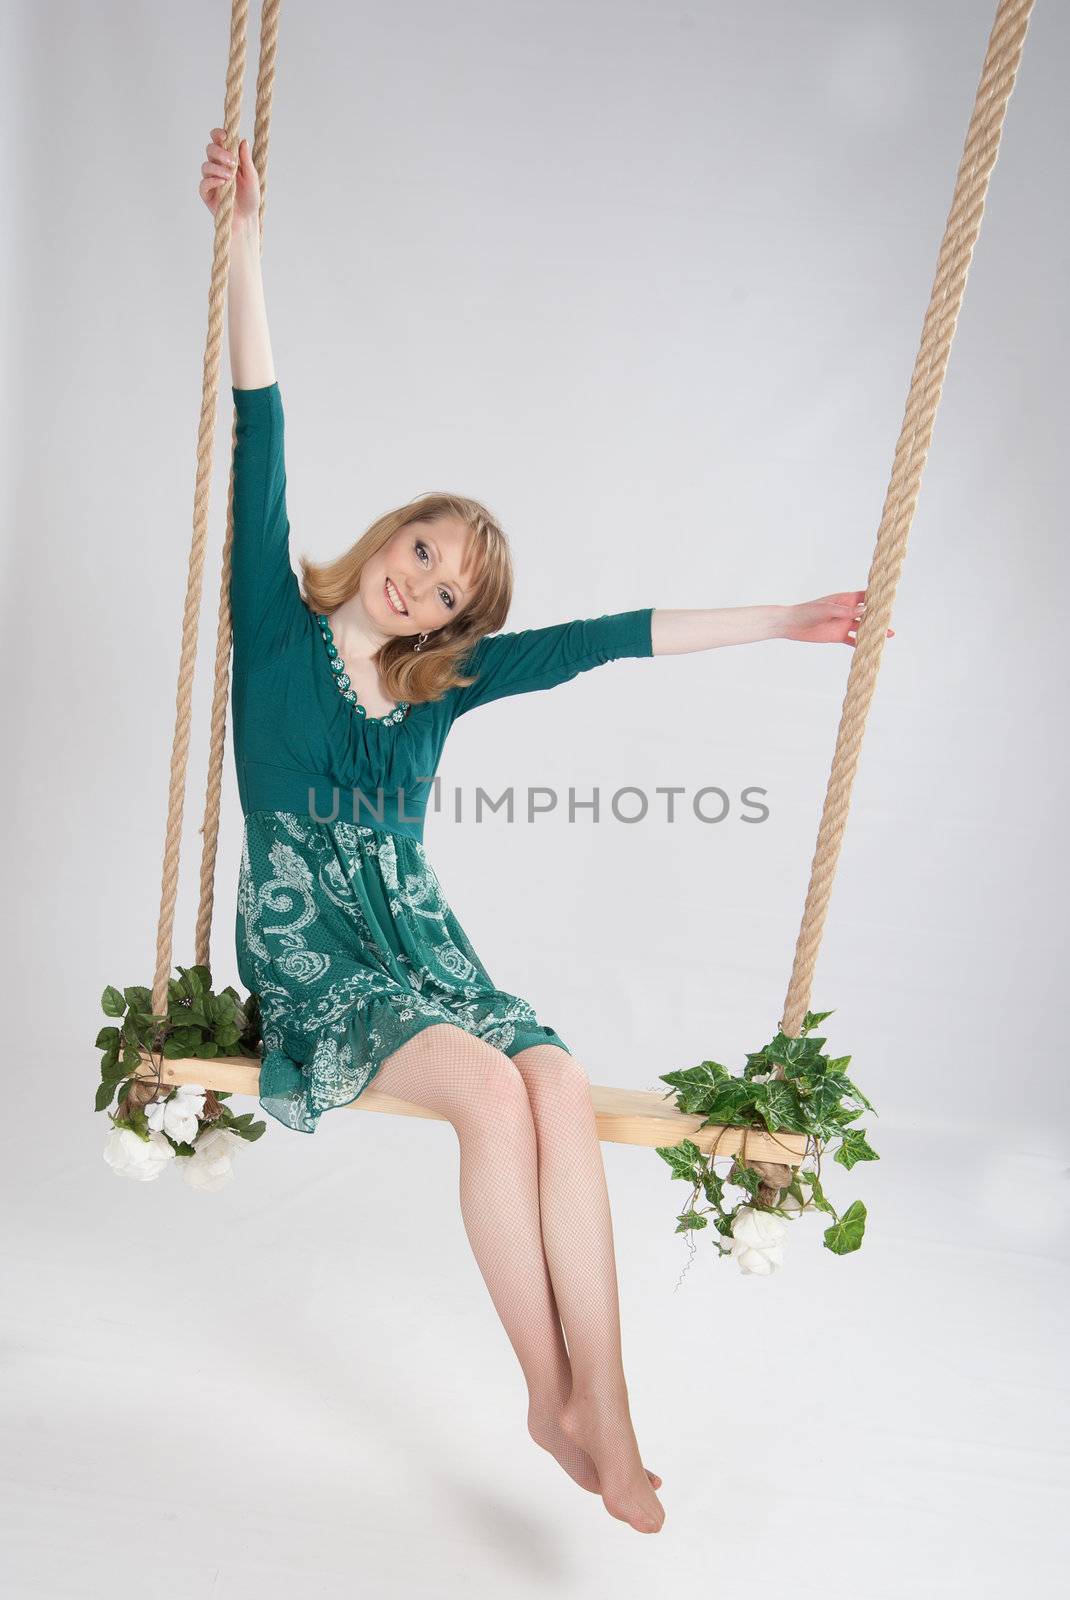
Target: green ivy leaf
787 1052
728 1102
695 1083
824 1099
846 1234
690 1222
806 1058
778 1105
855 1148
844 1114
746 1177
851 1088
681 1157
817 1194
713 1188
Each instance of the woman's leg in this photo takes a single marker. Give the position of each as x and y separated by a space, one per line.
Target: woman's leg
482 1093
577 1234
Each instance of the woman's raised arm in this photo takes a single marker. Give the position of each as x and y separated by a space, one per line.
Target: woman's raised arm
251 364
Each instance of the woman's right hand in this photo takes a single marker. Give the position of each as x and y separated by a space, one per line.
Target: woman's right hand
218 170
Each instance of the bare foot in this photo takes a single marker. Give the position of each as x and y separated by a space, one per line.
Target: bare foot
605 1433
547 1431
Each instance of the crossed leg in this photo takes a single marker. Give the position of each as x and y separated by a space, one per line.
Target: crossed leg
514 1117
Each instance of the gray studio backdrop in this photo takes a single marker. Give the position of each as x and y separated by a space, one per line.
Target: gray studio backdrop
648 279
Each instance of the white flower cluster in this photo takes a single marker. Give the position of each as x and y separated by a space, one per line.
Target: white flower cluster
758 1240
758 1236
177 1114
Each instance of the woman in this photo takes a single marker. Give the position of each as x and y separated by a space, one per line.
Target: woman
342 698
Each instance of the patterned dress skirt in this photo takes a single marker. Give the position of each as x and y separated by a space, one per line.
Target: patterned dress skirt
343 933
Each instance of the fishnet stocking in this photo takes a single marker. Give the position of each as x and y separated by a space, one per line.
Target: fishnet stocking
536 1211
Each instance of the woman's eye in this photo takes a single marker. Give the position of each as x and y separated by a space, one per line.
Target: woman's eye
444 594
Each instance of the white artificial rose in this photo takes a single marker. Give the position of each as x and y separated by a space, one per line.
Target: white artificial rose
209 1167
758 1240
131 1156
179 1115
761 1077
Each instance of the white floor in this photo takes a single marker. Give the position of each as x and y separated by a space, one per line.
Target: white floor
301 1381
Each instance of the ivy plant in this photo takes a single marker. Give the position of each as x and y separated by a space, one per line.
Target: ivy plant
789 1085
199 1023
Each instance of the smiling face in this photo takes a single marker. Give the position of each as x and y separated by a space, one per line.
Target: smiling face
415 584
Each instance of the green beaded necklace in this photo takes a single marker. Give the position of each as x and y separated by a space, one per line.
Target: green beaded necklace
345 683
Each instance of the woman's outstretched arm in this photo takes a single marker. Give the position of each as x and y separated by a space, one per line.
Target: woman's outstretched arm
831 620
251 364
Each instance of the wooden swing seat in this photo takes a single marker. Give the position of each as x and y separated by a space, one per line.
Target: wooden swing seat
625 1116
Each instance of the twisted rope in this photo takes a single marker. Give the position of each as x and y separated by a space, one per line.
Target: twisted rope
205 442
265 85
960 235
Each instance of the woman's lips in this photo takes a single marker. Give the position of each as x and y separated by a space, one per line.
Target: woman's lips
387 583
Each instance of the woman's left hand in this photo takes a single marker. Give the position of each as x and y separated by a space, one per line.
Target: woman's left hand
831 620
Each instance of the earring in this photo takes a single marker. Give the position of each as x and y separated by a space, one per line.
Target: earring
423 636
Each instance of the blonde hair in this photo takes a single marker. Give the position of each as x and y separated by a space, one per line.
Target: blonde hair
425 674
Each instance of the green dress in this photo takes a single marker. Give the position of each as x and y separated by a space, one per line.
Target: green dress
341 928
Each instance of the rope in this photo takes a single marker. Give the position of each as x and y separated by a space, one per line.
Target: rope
265 85
205 441
960 236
